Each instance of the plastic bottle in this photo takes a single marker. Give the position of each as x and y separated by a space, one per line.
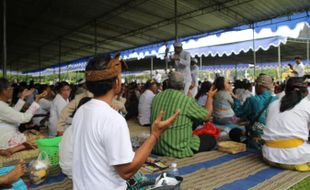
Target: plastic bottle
174 169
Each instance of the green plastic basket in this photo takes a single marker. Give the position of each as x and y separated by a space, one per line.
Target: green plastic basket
51 147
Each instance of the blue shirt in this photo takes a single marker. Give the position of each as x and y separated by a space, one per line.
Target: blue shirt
252 106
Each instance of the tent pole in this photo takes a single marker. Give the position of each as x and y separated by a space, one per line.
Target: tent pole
279 61
176 19
59 61
236 72
67 75
4 40
254 51
308 52
152 67
40 65
95 35
200 69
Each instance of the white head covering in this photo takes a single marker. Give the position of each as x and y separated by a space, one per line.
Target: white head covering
194 60
177 44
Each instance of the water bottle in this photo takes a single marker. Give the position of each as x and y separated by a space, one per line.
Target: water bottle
174 169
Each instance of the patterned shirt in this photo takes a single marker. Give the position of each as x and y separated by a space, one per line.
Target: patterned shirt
177 140
252 106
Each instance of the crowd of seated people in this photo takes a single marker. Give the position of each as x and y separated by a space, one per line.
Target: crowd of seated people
38 107
228 104
278 114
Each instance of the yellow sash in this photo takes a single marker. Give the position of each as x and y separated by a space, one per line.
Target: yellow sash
287 143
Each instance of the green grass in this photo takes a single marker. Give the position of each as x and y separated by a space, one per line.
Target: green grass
303 185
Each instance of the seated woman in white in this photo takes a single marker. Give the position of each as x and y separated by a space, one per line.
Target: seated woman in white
66 146
287 128
58 104
11 140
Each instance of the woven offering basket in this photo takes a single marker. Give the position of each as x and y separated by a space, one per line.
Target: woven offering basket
231 147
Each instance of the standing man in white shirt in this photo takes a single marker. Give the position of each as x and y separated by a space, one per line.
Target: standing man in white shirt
145 103
195 73
298 69
182 60
102 154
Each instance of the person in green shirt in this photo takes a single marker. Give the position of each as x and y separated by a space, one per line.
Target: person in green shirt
178 141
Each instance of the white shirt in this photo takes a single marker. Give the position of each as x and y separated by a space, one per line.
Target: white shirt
11 118
243 94
13 115
66 152
144 107
58 104
158 78
294 123
45 106
101 140
300 69
280 95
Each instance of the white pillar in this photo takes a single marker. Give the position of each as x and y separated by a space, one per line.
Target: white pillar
59 61
279 61
40 66
308 52
236 71
254 52
176 20
4 40
152 67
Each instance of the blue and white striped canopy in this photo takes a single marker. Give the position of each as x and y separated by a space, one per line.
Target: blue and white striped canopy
270 33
